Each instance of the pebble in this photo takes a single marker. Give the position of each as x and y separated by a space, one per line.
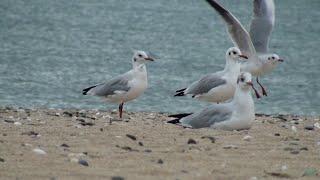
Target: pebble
230 147
295 152
192 141
140 143
131 137
246 138
117 178
284 167
310 128
160 161
293 128
1 160
83 162
317 125
17 123
277 134
213 140
64 145
39 151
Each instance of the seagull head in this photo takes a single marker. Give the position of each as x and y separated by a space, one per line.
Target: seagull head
274 59
244 82
140 57
234 53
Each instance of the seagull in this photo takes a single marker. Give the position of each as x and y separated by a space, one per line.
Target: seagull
218 86
255 43
125 87
238 114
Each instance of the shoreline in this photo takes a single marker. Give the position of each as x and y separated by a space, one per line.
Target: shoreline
83 144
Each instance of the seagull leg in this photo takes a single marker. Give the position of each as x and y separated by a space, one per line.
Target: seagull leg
263 90
120 110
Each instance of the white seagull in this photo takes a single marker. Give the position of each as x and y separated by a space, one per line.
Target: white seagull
125 87
218 86
253 44
238 114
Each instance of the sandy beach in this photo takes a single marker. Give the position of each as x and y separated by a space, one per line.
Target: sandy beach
72 144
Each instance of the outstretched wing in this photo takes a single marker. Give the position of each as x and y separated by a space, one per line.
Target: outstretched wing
262 24
237 32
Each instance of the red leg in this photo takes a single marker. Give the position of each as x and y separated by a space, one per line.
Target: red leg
120 110
264 92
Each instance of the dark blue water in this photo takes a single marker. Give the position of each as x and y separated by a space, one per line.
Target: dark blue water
51 50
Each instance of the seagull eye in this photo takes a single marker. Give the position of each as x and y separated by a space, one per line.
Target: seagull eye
242 79
229 53
234 52
140 55
272 57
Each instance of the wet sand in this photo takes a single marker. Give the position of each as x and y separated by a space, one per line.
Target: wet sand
74 144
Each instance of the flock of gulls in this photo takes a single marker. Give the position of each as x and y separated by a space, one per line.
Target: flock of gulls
233 82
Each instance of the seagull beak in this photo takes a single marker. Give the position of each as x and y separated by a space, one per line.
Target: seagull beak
148 59
281 60
249 83
243 56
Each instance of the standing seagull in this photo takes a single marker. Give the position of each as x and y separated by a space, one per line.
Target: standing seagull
255 45
236 115
219 86
125 87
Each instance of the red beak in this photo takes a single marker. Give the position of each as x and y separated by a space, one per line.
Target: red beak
281 60
243 56
148 59
249 83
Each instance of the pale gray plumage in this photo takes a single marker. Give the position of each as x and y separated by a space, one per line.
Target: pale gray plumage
262 24
205 84
208 117
119 83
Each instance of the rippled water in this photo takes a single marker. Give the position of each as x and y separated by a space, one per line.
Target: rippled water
51 50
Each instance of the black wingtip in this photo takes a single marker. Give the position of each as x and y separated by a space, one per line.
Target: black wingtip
86 90
179 116
175 121
180 94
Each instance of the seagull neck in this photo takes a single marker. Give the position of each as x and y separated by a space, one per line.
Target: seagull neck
232 66
139 67
242 97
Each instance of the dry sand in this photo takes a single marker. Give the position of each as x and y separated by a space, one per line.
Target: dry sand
154 150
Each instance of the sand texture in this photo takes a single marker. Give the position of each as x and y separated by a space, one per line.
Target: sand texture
71 144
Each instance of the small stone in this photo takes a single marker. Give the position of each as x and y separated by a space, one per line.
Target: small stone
131 137
117 178
246 138
101 129
317 125
310 128
295 152
78 126
304 149
288 149
293 128
17 123
140 143
148 150
300 120
57 114
39 151
192 141
2 160
160 161
64 145
277 134
83 162
230 147
213 140
8 121
284 167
